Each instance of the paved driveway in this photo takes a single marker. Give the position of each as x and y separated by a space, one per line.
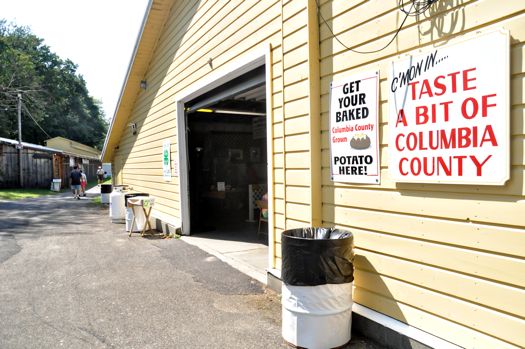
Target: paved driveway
70 278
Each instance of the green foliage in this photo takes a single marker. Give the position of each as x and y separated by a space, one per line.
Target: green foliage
52 92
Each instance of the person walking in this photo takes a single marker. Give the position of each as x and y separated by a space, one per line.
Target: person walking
83 183
74 180
100 175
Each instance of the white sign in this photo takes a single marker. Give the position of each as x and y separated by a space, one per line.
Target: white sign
166 163
449 113
354 129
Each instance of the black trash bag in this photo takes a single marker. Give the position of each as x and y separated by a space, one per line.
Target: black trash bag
106 188
317 256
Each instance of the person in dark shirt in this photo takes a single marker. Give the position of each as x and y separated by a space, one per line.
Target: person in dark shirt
100 175
74 179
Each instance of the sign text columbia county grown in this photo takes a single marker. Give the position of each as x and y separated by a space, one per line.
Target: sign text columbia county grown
449 113
354 130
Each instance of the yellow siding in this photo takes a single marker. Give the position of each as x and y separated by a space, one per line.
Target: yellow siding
298 131
448 259
193 32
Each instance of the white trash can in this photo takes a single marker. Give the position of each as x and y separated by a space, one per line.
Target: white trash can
317 317
56 184
317 274
105 192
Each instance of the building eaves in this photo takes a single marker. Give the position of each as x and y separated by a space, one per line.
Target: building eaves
152 24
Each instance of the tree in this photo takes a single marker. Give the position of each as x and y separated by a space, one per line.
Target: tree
55 97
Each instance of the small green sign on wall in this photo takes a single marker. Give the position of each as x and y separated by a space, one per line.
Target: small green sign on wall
166 164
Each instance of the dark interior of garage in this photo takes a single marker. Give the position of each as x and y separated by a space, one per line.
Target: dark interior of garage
226 138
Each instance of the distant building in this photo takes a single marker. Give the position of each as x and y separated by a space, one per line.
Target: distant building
73 147
75 153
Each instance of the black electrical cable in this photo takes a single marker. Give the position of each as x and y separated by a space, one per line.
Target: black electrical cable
36 122
420 6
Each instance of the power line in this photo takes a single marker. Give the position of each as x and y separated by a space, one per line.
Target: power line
36 122
416 8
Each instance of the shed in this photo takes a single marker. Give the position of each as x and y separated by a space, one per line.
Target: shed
37 164
40 165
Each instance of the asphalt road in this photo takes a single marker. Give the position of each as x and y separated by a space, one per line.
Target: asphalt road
70 278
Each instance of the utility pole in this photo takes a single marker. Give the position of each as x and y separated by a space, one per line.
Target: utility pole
19 109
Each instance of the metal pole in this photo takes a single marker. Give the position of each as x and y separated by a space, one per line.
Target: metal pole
20 140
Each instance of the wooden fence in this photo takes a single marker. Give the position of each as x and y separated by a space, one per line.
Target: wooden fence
37 168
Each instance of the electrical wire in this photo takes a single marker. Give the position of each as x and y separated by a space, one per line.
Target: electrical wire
36 122
417 7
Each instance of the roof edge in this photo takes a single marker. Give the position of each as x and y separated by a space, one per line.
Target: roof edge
47 149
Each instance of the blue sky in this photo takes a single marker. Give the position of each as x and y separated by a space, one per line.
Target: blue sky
98 35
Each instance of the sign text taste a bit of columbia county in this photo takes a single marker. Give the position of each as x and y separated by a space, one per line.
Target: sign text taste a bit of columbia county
449 114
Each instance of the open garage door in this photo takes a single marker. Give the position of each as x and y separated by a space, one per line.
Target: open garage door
227 158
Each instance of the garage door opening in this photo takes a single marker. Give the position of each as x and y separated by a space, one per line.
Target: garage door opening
227 159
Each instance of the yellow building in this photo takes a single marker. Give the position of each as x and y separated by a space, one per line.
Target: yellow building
73 153
73 147
224 97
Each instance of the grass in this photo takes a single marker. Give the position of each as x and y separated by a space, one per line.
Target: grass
19 194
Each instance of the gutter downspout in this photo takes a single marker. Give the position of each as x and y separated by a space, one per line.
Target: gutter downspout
314 100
